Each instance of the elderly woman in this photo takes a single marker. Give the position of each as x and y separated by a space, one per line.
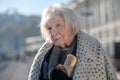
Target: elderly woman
60 28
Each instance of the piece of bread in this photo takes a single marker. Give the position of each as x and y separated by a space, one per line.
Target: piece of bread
69 64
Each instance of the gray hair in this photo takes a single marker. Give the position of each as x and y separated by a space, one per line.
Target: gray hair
69 16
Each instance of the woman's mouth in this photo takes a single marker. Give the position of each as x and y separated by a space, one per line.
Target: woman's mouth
57 39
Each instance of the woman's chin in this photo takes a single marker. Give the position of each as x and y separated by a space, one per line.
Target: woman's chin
59 44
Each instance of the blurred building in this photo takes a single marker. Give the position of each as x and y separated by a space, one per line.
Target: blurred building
101 18
33 44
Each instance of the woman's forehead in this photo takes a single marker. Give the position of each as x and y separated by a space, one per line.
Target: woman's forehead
54 17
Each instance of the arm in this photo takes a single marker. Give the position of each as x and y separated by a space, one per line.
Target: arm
34 73
110 71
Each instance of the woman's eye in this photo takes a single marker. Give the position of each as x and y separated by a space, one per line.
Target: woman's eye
49 28
59 25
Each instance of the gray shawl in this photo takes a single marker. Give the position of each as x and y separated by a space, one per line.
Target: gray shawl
92 64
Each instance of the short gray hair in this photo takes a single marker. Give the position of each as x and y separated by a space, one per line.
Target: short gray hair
69 16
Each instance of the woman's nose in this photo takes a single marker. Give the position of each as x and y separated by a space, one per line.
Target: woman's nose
54 32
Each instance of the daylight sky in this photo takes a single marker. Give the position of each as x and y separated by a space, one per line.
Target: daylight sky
28 7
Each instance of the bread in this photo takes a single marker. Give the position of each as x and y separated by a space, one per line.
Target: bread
69 64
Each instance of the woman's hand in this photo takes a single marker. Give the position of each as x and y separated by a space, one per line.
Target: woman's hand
62 68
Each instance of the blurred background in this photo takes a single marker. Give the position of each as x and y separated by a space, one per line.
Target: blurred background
20 36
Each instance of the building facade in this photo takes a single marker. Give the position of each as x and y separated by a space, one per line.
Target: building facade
33 44
101 19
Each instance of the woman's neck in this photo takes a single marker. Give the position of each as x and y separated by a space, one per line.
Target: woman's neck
68 44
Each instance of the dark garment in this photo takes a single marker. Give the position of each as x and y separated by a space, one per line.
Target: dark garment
56 74
52 59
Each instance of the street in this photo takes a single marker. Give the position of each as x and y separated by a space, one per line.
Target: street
14 70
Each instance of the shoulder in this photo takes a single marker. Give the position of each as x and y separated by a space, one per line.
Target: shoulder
37 62
89 44
43 50
87 39
46 46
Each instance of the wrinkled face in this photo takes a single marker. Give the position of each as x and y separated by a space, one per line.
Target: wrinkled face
60 34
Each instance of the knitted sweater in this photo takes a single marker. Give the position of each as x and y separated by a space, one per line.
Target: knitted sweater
92 64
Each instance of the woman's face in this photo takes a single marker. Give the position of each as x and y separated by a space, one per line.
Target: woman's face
59 34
